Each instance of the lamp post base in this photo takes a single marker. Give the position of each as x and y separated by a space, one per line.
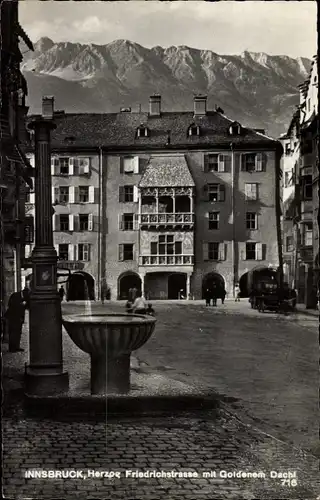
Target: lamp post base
45 381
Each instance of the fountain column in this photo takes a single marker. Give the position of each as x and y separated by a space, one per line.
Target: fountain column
44 374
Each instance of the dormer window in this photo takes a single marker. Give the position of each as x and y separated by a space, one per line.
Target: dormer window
194 130
235 129
143 131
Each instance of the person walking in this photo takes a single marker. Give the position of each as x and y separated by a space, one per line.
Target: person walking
214 294
150 311
139 305
207 296
237 293
61 293
15 316
223 294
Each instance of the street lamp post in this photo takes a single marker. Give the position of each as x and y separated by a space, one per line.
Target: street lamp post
44 374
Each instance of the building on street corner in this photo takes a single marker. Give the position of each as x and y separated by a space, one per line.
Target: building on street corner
167 202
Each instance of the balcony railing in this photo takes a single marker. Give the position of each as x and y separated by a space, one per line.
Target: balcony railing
151 219
166 260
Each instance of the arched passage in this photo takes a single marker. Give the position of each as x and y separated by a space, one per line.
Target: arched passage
125 282
80 286
177 282
211 279
255 277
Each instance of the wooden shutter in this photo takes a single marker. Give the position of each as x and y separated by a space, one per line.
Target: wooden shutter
90 222
54 222
135 194
53 167
243 161
71 194
135 222
222 251
86 165
136 165
76 194
121 252
71 252
120 222
121 165
121 194
254 191
32 198
242 251
205 251
76 223
55 195
56 247
71 222
31 160
91 194
259 165
75 252
259 255
205 164
222 192
205 191
71 166
221 163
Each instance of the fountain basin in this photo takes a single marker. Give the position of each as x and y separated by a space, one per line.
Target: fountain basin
109 339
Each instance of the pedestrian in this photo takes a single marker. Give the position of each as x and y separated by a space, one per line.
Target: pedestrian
237 293
61 293
15 316
139 305
150 311
214 294
207 296
181 294
223 294
129 308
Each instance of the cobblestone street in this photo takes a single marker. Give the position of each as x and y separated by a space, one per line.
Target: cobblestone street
229 439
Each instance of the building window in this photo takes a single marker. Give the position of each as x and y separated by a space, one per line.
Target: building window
64 166
83 194
307 187
251 220
194 130
126 251
308 236
216 192
252 162
128 165
127 222
214 163
166 245
142 131
235 129
288 149
214 220
84 222
84 252
64 222
289 244
63 252
63 194
253 251
213 251
251 191
126 194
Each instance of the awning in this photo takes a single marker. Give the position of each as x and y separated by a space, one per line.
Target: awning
167 171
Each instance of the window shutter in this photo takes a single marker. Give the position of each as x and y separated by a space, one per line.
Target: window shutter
71 222
57 249
76 194
222 251
221 163
75 252
136 165
90 222
121 194
88 249
120 222
76 223
133 252
91 194
259 162
121 252
135 194
31 161
32 198
205 250
222 192
54 222
53 166
71 194
205 163
259 255
254 192
71 166
71 252
206 192
242 251
86 165
256 221
243 161
135 222
55 195
206 215
121 165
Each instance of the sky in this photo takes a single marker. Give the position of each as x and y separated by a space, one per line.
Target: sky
226 27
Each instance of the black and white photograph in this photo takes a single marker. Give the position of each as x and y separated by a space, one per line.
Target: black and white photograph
159 226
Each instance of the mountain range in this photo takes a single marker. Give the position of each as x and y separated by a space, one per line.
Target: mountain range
257 89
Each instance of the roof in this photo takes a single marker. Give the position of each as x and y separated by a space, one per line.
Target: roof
118 130
163 171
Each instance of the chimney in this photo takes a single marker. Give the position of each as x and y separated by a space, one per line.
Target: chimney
47 107
155 105
200 105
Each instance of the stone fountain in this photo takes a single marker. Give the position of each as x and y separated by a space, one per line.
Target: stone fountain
109 339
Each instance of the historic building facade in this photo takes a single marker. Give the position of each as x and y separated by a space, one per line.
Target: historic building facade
175 200
15 170
301 201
